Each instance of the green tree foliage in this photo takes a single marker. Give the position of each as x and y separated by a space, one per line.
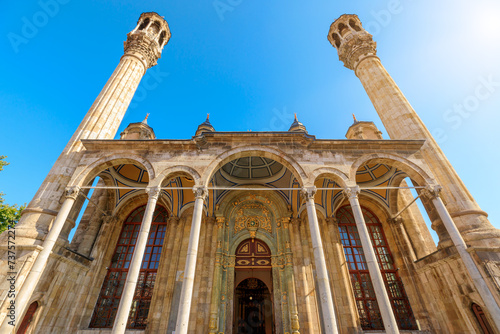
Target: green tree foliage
9 214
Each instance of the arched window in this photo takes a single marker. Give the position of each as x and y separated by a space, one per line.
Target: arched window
28 318
111 291
481 319
144 24
366 301
162 38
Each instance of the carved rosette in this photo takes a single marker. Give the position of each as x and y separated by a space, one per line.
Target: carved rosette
252 225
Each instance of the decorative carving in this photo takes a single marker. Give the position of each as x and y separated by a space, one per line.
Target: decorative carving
352 42
493 268
309 192
153 192
352 192
200 192
144 43
395 221
72 192
252 283
432 191
253 253
253 216
220 222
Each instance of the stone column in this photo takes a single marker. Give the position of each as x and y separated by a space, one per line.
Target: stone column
357 50
458 241
189 271
213 324
290 279
23 297
143 48
371 260
120 324
325 293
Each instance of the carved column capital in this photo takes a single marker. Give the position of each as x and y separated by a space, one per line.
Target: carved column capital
72 192
153 192
173 220
398 221
200 192
211 220
309 192
433 191
220 222
332 221
352 192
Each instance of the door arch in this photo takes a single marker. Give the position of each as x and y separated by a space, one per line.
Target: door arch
253 302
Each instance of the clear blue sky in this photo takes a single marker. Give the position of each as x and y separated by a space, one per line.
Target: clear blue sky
250 67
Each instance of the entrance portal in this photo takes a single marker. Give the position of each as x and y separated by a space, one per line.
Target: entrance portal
254 308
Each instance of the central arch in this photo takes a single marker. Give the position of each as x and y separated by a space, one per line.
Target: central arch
253 302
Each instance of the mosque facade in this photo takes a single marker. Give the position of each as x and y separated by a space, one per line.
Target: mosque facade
251 232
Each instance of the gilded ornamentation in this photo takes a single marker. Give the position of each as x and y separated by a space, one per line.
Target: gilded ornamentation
220 222
253 216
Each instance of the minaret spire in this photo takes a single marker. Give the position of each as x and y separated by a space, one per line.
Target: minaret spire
358 52
145 121
142 49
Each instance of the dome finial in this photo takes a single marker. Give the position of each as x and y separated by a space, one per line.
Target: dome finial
297 126
354 117
145 121
205 127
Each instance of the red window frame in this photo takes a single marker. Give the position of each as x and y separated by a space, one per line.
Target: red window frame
366 301
112 287
481 319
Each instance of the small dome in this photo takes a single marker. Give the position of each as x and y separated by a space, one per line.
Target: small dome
138 131
205 127
297 126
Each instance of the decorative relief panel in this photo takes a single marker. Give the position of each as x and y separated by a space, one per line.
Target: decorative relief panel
253 216
253 253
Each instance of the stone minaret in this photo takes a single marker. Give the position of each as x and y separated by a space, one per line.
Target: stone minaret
357 50
143 48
